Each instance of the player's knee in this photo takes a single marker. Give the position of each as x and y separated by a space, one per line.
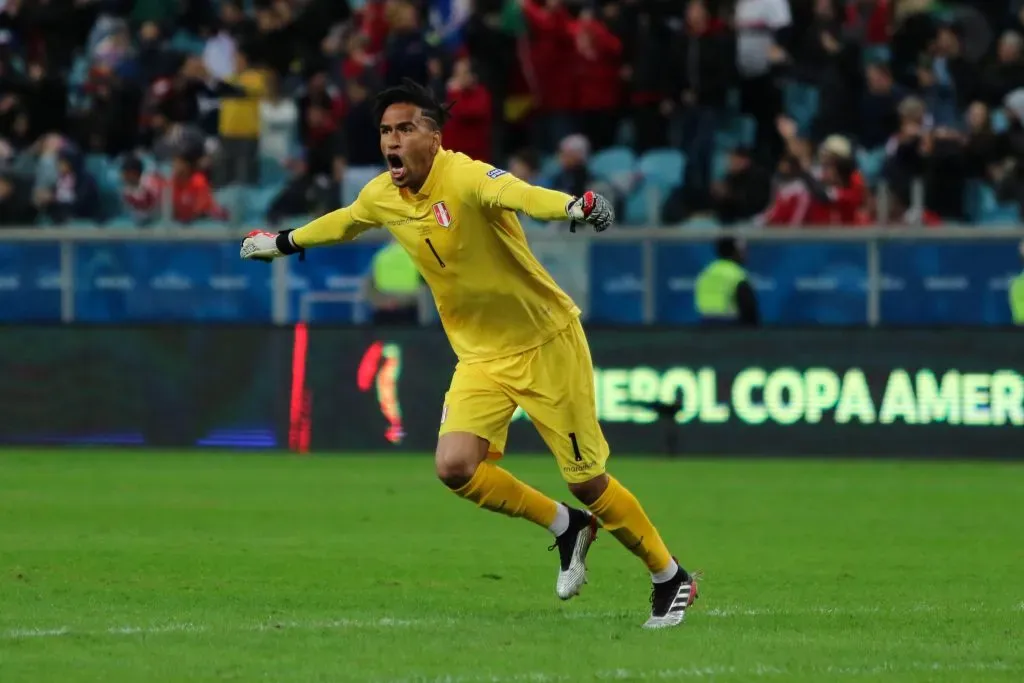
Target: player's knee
587 492
455 472
457 457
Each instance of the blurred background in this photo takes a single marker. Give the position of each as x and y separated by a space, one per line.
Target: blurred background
794 164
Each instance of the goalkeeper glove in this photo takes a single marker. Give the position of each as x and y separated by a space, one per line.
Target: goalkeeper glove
591 208
260 245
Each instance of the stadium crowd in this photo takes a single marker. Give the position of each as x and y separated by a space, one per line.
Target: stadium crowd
778 112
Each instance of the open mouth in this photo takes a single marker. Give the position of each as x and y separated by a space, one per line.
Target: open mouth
395 166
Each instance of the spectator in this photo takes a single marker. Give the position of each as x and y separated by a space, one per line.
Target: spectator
701 74
760 27
790 197
952 64
153 60
837 188
722 293
142 193
279 123
492 47
407 53
936 90
73 196
833 63
359 152
744 192
981 148
191 196
469 128
598 63
16 208
647 36
110 123
572 176
552 62
908 149
879 116
240 122
44 96
220 50
1007 74
305 193
1016 292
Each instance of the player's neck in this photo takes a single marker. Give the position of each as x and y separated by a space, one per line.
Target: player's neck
417 187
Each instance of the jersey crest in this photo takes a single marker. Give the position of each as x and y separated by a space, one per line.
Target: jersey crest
441 214
495 173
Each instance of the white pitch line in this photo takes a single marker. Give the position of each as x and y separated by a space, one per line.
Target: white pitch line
756 671
725 612
384 622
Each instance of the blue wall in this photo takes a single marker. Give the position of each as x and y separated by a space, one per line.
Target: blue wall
825 283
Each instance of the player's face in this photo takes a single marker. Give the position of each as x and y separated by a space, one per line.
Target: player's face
408 141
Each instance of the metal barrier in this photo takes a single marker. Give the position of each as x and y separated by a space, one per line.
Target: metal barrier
649 238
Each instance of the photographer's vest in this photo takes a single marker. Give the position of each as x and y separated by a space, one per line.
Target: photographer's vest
715 292
1017 299
394 273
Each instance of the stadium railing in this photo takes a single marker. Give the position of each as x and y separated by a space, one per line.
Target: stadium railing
649 240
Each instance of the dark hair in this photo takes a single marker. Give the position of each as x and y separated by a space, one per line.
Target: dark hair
411 92
726 247
132 164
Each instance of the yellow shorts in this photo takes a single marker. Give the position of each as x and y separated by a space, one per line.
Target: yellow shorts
554 385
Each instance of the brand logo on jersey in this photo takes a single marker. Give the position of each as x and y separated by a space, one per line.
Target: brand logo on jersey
495 173
444 219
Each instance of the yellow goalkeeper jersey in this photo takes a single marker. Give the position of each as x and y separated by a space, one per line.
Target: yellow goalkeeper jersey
461 229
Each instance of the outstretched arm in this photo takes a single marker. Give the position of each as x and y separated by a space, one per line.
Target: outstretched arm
342 225
500 189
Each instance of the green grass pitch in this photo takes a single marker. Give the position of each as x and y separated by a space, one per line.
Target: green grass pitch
156 567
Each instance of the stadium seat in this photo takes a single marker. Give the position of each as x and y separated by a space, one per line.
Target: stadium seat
272 172
661 171
877 54
719 165
609 164
664 167
1000 122
871 162
638 207
208 224
231 198
186 42
701 223
549 166
256 201
738 131
121 222
994 212
801 103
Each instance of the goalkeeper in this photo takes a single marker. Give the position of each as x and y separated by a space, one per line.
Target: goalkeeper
517 336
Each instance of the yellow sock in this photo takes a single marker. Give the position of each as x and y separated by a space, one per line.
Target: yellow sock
620 513
497 490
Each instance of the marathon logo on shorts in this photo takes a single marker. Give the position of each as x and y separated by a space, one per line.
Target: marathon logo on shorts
444 219
444 413
495 173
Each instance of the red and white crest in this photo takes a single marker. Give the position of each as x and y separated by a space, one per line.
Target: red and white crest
444 219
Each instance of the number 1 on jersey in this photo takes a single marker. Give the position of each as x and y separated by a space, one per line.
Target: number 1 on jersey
434 252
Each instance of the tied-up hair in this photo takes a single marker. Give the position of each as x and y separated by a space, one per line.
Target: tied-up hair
411 92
